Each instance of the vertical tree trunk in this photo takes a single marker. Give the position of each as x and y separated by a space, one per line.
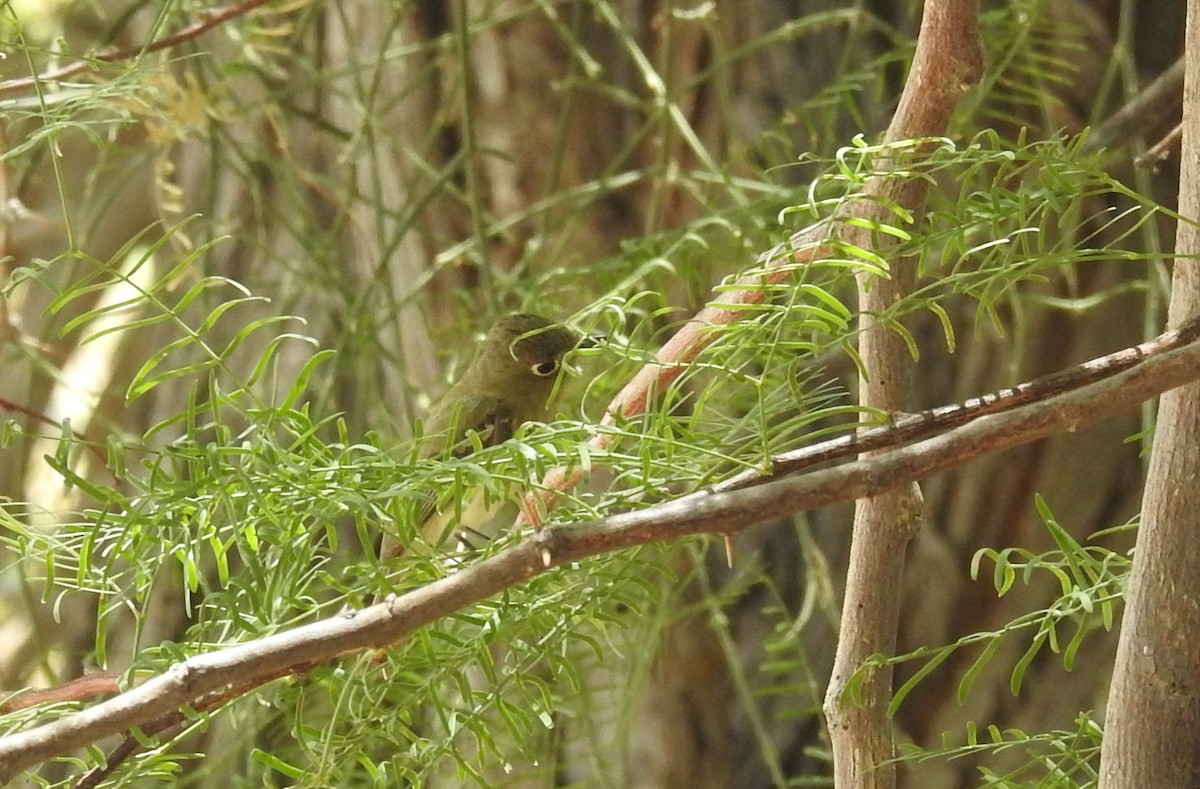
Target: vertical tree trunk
947 62
1152 732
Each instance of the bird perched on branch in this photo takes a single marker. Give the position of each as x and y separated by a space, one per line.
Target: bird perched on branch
509 382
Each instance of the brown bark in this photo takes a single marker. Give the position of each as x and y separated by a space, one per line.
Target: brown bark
1152 728
948 62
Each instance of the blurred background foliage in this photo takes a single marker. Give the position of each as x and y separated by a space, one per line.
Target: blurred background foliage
241 268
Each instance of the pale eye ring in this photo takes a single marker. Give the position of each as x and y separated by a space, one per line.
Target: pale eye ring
545 369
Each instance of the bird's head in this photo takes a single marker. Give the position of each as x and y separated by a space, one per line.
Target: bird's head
524 351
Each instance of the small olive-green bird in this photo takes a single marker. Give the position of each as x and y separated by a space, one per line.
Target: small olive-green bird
509 382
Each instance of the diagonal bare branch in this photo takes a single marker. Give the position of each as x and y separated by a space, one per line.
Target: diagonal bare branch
250 665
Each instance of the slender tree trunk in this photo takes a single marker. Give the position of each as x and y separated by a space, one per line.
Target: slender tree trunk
948 61
1152 732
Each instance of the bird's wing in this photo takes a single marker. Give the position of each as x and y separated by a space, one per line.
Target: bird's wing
494 421
491 418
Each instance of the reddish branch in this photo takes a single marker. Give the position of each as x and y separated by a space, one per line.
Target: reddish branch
686 344
175 720
73 690
212 19
922 113
37 416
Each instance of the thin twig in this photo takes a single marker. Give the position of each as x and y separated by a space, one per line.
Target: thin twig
37 416
1161 149
76 689
1150 107
214 18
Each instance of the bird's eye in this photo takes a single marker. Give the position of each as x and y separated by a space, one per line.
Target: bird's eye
544 369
